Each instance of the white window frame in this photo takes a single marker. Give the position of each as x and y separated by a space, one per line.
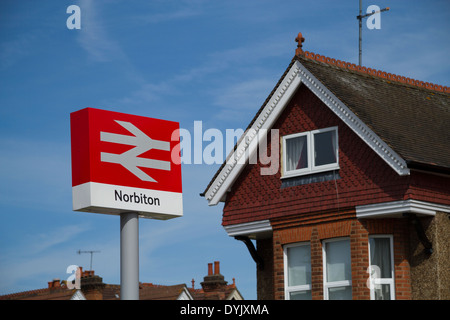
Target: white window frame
312 168
389 281
289 289
333 284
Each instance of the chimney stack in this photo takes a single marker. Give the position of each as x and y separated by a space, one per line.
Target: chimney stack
55 283
215 281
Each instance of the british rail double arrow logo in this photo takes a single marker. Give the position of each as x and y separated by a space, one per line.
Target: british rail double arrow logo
130 159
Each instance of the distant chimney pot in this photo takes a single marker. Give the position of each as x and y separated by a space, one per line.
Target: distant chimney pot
193 282
210 269
55 283
216 267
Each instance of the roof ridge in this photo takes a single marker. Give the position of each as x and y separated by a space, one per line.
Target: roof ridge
373 72
30 292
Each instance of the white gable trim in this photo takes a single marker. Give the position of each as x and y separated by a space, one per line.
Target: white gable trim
235 295
296 75
78 295
185 295
236 160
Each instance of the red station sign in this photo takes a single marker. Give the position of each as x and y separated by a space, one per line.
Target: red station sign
125 163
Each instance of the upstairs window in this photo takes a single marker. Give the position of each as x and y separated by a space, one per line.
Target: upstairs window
310 152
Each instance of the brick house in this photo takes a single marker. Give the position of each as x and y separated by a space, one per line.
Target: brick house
92 287
359 205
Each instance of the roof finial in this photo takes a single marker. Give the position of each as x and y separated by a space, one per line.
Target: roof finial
300 40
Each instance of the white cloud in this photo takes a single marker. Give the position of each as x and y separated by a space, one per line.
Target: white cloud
242 99
93 37
155 18
39 255
42 241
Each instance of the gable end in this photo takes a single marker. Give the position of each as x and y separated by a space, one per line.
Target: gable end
296 75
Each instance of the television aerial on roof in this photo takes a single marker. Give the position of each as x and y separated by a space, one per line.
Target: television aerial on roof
88 251
371 10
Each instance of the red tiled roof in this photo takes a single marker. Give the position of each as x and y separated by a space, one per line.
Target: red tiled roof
411 116
156 292
220 294
365 70
92 287
61 293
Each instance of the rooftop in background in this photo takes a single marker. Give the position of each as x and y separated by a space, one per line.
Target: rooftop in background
214 287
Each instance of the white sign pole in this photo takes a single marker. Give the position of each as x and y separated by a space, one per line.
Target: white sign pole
129 256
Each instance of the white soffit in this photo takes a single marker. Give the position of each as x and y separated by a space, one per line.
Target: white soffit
254 228
397 208
297 75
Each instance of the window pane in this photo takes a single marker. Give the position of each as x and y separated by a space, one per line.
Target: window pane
340 293
383 292
338 260
325 148
299 265
380 255
296 153
300 295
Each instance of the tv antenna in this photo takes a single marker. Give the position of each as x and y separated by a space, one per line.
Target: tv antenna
360 17
88 251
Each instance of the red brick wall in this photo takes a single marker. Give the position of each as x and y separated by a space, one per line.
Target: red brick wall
365 177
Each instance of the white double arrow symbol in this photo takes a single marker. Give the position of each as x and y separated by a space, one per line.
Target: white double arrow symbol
130 159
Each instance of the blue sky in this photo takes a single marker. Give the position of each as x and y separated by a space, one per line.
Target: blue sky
186 60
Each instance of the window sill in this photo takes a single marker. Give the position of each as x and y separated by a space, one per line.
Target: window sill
298 180
309 172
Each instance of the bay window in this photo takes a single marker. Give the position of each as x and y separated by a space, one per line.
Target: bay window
381 269
297 264
337 273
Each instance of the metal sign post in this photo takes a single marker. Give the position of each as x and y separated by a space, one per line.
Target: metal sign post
129 256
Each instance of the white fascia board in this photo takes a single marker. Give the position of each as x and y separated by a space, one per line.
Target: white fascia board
78 295
234 295
297 75
185 295
397 208
249 228
237 159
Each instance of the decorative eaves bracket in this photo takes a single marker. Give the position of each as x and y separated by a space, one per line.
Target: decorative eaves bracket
420 232
251 248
